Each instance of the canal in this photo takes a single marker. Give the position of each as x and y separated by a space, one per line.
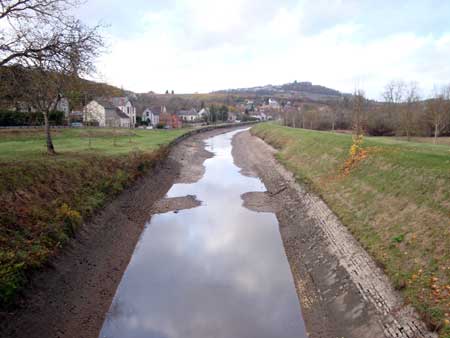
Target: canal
217 270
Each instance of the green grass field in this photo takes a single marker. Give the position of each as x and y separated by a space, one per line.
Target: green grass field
440 140
17 144
395 201
43 199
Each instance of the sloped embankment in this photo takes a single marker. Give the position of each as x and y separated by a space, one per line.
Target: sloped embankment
43 202
395 202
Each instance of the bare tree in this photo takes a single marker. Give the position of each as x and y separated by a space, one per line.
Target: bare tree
359 116
438 111
47 49
31 29
393 94
408 109
336 108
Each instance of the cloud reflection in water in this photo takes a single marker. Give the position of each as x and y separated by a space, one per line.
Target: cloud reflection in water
218 270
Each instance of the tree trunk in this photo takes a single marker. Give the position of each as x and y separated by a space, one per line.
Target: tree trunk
50 147
436 133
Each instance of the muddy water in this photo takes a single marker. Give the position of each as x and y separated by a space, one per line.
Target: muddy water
218 270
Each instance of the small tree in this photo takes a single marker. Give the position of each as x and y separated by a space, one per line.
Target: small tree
356 152
393 94
359 118
336 108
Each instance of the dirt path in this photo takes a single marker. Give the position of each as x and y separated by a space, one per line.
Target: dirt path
70 297
342 292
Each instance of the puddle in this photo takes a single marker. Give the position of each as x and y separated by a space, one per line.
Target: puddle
217 270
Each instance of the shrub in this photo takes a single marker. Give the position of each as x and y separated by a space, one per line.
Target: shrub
70 218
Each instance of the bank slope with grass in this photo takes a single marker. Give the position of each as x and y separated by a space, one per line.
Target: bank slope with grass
43 199
395 200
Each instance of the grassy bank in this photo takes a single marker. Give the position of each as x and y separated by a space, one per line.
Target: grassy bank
44 199
395 201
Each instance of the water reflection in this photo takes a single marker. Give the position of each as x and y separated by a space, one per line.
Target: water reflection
218 270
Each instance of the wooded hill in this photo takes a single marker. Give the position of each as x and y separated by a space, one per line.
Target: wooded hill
294 90
79 92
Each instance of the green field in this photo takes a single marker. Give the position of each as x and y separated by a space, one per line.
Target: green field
27 144
43 199
395 201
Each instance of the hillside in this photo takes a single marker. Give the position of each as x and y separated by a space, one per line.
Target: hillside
305 90
79 92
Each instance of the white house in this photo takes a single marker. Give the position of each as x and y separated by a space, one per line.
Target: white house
63 105
125 105
274 104
204 112
150 117
260 116
188 115
105 114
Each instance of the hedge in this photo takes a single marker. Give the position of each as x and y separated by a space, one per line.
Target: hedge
15 119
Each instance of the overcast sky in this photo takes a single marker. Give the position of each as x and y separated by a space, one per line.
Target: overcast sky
205 45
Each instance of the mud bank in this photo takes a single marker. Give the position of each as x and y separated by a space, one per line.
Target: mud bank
70 296
342 291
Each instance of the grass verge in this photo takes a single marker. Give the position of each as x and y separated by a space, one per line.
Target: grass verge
44 199
395 201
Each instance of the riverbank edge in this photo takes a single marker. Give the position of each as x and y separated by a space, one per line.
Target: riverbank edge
71 293
336 279
396 223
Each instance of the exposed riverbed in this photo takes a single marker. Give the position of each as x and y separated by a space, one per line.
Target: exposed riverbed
204 258
216 270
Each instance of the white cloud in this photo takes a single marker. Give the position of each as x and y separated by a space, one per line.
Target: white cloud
202 46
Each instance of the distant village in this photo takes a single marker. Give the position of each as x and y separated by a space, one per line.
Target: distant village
121 112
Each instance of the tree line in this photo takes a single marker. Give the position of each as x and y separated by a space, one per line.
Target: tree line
403 112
